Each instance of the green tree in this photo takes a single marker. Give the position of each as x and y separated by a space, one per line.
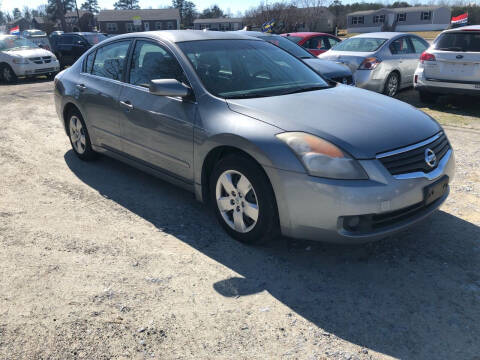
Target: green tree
91 5
27 13
187 12
212 12
126 5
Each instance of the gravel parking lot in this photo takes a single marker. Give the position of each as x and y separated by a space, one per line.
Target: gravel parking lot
100 261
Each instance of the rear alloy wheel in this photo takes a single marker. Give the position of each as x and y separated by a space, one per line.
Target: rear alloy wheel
427 97
392 84
243 200
79 138
8 75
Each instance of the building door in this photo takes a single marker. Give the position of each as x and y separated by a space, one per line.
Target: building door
146 26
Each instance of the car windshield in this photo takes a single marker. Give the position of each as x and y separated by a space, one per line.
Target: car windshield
15 42
249 68
359 44
458 41
94 39
289 46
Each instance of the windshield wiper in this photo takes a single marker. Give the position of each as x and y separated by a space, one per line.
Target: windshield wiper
245 96
304 89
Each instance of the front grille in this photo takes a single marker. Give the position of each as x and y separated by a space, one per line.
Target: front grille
414 160
41 60
347 80
36 60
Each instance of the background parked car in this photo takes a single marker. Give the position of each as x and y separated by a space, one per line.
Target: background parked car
38 37
21 57
328 69
316 43
383 62
450 65
68 47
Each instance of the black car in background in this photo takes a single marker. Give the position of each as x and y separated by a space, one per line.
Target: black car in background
68 47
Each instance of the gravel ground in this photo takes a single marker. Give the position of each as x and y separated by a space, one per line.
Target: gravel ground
99 261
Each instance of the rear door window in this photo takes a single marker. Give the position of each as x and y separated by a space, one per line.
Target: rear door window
419 45
401 46
317 43
110 60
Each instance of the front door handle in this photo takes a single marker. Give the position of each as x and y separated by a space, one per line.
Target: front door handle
81 87
127 104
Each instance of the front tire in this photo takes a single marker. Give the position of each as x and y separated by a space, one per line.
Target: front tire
79 137
7 74
243 200
392 84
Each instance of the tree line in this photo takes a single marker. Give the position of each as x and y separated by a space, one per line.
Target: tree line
287 13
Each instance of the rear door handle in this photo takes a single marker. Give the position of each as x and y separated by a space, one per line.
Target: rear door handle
81 87
127 104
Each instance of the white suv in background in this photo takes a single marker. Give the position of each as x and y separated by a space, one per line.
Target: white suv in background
451 65
21 57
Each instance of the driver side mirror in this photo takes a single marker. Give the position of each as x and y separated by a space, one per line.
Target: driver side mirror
81 43
169 87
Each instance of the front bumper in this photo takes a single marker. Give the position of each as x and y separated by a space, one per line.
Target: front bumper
32 69
437 86
315 208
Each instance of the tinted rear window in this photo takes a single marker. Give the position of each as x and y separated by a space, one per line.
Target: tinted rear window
295 39
360 44
458 41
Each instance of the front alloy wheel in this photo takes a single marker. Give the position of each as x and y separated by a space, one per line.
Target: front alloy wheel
243 199
237 201
8 75
79 137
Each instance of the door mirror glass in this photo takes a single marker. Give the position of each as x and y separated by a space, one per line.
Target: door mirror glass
168 87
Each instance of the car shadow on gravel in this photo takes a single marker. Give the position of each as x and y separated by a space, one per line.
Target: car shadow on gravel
414 296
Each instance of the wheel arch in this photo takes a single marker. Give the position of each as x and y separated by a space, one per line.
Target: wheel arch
67 109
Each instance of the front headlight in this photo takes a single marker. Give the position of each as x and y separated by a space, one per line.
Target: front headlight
321 158
20 60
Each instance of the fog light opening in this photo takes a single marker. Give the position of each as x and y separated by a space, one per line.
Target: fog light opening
352 222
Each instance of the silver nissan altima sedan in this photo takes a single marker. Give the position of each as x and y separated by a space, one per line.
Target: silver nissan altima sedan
383 62
257 134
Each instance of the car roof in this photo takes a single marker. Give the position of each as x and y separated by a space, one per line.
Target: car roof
465 28
254 33
381 35
81 33
305 34
186 35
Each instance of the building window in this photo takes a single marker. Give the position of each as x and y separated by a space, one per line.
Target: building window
171 25
204 26
378 19
112 27
236 26
158 25
130 27
401 17
426 15
357 20
224 27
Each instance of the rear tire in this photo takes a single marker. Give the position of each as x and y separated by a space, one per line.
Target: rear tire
7 74
243 200
392 84
79 137
427 97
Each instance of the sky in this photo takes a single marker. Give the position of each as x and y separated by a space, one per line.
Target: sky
233 5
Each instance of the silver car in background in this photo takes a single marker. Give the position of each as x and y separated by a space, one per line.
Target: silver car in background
257 134
383 62
451 65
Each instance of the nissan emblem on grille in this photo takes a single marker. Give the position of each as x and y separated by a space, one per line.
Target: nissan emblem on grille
430 157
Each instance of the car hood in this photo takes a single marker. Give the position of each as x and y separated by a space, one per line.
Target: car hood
361 122
352 59
329 69
28 53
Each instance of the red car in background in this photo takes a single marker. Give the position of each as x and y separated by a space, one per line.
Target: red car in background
316 43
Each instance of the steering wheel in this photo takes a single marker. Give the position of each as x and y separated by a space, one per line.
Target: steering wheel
264 72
